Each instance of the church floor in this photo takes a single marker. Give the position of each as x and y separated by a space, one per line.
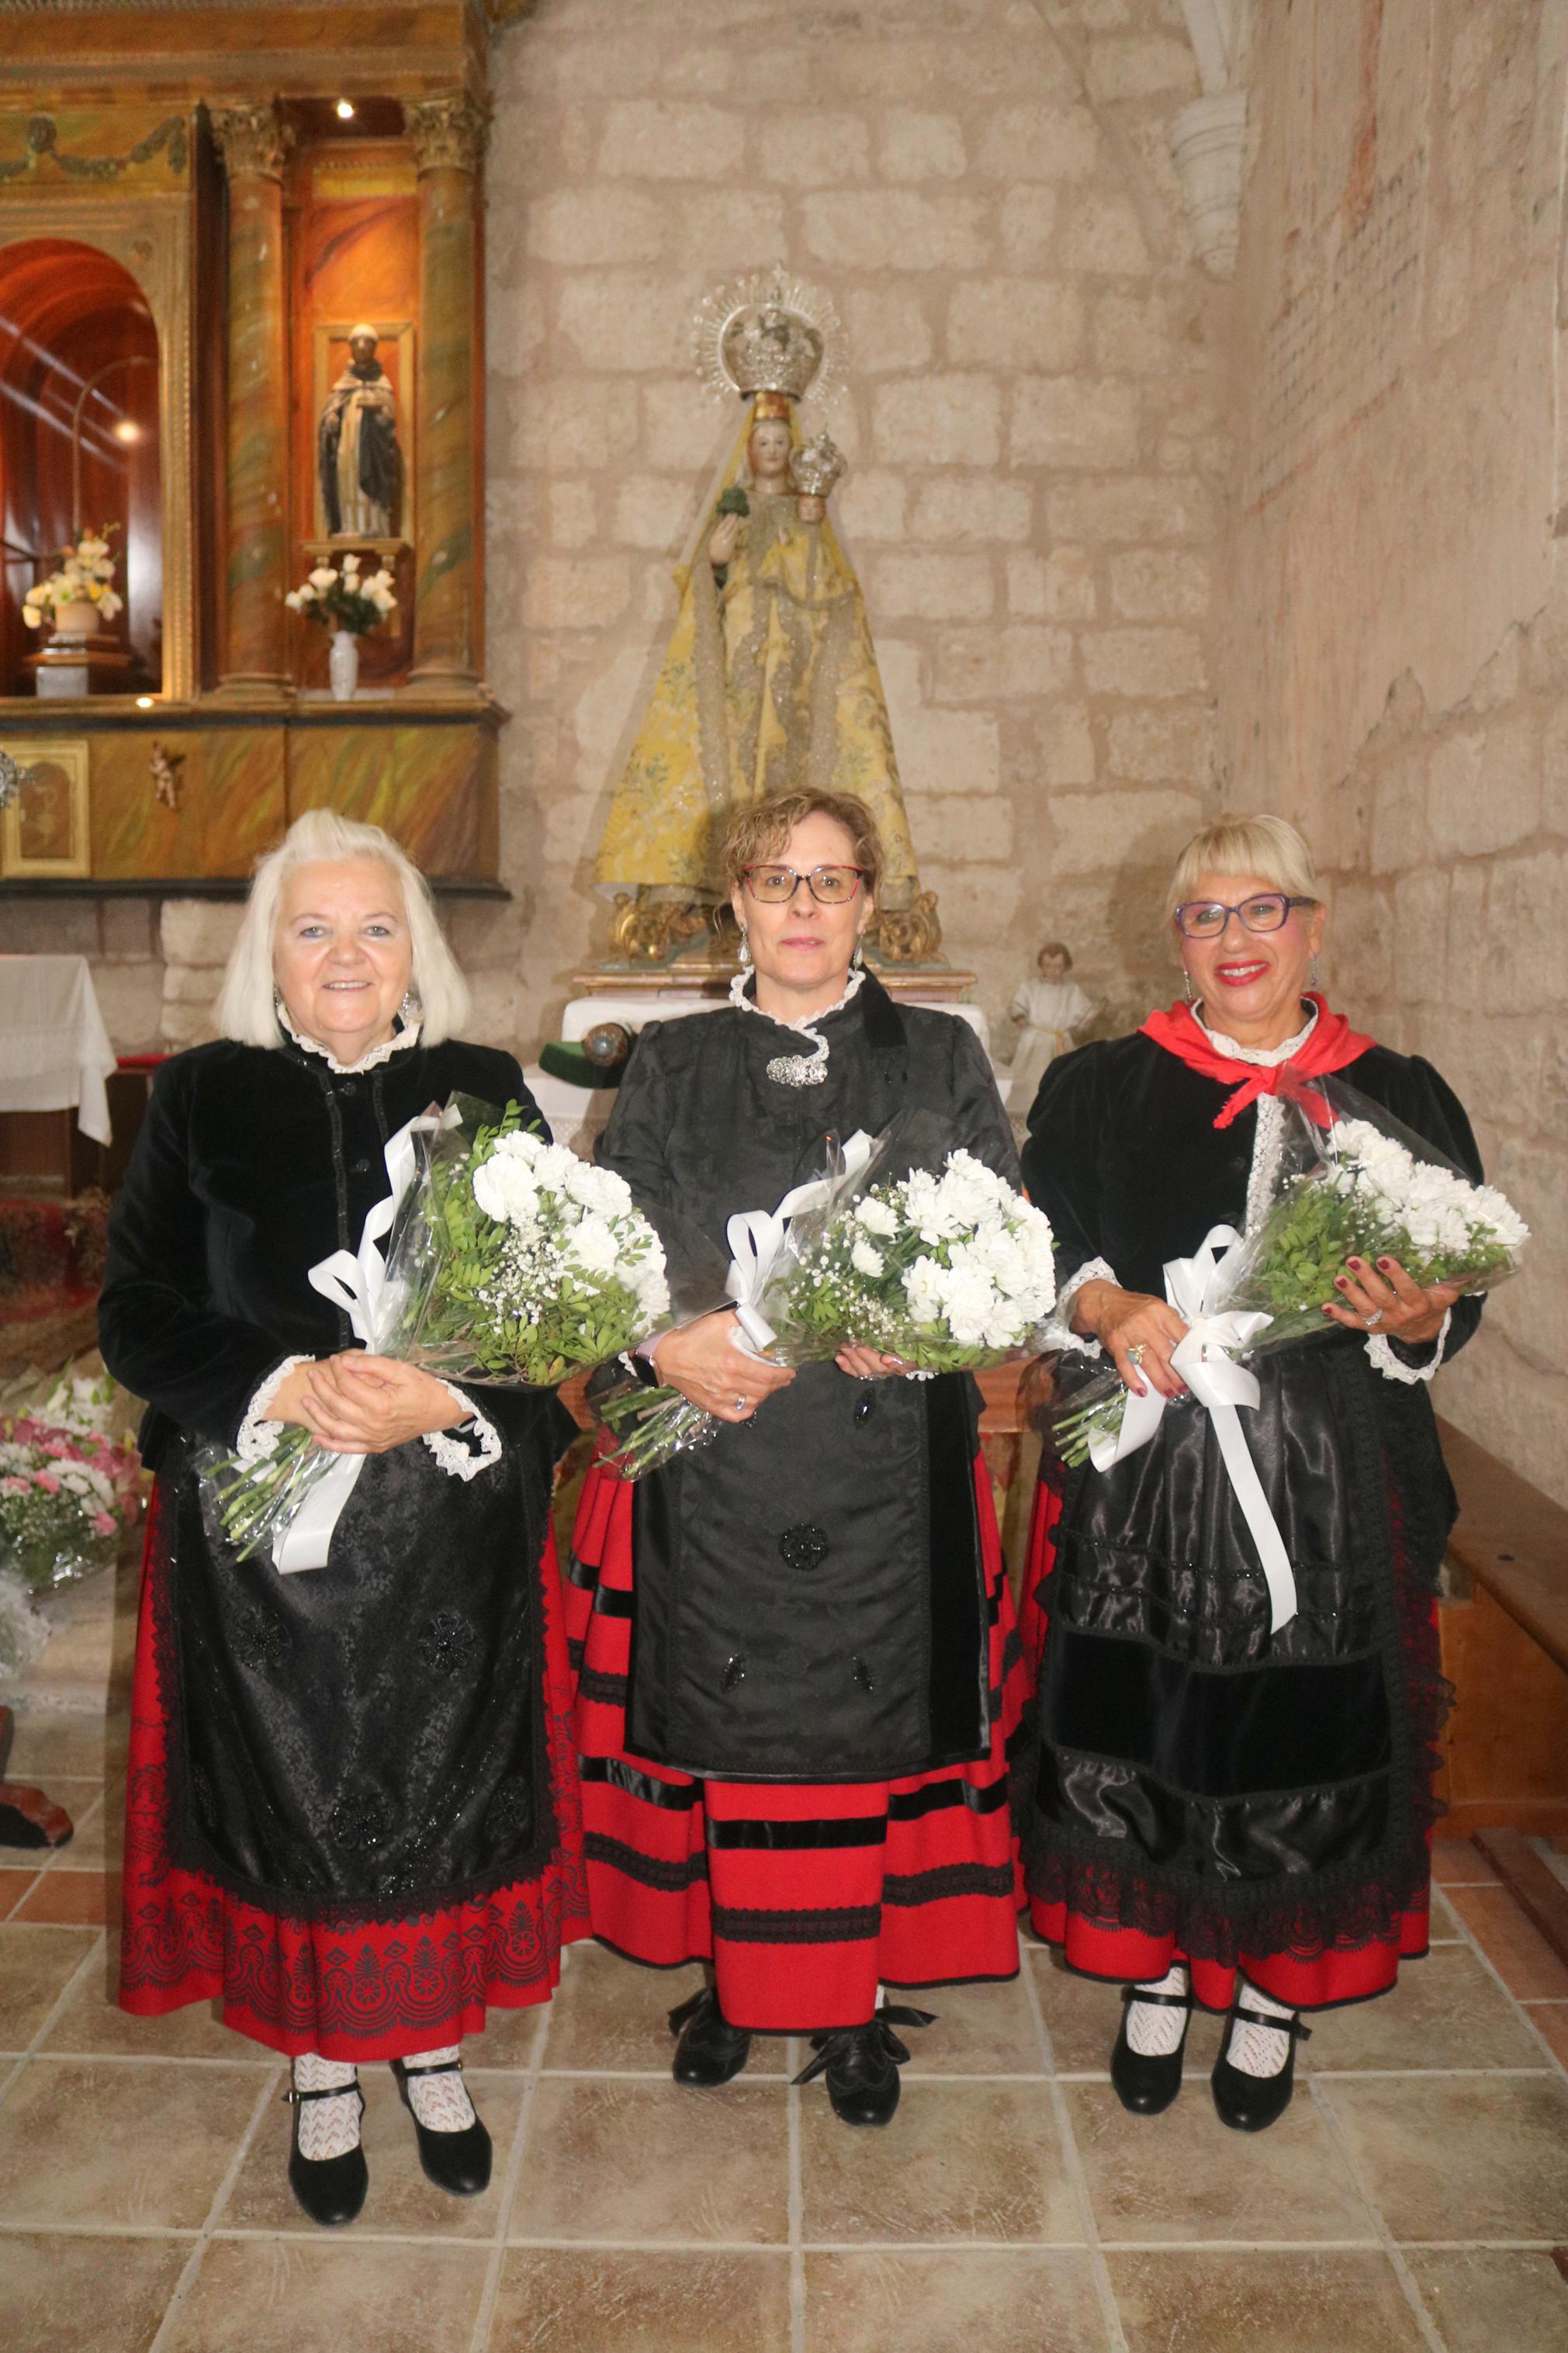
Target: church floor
1413 2197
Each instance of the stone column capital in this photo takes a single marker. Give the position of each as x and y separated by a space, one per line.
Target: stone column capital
255 142
448 134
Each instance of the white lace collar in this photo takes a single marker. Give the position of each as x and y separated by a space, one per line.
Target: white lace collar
396 1044
799 1070
1267 1058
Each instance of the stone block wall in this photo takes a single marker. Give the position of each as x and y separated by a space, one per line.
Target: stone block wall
985 191
1396 622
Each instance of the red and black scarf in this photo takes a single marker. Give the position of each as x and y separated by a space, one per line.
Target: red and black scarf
1332 1045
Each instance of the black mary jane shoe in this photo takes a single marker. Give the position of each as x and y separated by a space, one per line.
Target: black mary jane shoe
1253 2103
1146 2086
862 2063
458 2162
331 2190
709 2049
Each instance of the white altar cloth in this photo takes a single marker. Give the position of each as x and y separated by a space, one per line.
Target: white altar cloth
54 1052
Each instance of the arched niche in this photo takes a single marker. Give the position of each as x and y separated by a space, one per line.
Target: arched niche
63 257
80 441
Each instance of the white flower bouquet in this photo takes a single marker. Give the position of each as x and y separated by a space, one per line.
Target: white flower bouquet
344 596
84 578
905 1245
507 1260
1351 1183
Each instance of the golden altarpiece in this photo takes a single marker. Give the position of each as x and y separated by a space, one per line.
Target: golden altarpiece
240 251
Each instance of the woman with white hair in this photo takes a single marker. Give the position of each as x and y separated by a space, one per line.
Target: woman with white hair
1214 1811
352 1816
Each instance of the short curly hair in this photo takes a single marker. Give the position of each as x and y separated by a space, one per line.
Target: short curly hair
759 830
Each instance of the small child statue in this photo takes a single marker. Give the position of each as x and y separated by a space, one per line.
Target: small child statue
1050 1009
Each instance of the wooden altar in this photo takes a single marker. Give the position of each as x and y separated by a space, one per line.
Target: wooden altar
196 205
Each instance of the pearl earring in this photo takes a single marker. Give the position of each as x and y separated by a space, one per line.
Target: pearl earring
745 950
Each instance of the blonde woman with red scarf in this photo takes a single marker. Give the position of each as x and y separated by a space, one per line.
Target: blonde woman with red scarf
1214 1813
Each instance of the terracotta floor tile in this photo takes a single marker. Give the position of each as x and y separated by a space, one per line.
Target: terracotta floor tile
960 2161
400 2201
97 2294
619 2160
1184 2176
980 2030
14 1885
126 2145
92 2022
1486 2300
1460 1860
299 2296
1332 2302
36 1965
1031 2301
1551 2018
68 1896
1445 2012
1467 2156
567 2300
1518 1952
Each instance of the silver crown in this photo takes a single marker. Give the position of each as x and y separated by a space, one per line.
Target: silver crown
815 467
768 331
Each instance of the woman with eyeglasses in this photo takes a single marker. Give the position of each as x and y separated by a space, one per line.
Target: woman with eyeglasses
798 1662
1213 1813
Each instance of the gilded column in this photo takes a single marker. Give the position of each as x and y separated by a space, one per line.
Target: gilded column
254 141
447 137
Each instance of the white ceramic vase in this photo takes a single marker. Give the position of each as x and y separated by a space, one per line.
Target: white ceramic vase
342 665
80 618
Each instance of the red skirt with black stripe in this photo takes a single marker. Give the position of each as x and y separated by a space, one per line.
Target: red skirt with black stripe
803 1895
355 1990
1101 1949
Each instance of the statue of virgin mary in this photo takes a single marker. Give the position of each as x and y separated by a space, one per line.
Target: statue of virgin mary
770 680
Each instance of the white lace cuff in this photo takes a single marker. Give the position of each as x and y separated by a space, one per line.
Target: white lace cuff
1059 1332
457 1460
1380 1349
258 1437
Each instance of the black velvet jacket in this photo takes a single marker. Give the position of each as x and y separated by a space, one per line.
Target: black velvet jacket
1193 1773
252 1164
809 1589
368 1737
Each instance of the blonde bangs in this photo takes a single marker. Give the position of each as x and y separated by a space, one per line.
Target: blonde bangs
1263 848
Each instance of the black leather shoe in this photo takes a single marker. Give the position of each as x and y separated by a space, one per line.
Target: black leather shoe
330 2189
1253 2103
458 2162
861 2064
1145 2087
711 2051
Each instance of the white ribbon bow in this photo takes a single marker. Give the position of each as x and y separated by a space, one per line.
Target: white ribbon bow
357 1282
757 1236
1204 1359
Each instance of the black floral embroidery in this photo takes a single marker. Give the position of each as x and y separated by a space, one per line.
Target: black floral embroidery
358 1821
262 1639
804 1546
510 1809
447 1642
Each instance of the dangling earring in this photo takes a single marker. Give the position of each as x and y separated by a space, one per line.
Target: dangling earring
1312 973
409 1008
744 950
858 958
1187 985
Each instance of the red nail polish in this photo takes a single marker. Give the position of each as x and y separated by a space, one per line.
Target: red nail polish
1386 1263
1341 1283
1354 1262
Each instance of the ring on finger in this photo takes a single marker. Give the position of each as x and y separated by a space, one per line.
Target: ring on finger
741 1404
1135 1354
1371 1320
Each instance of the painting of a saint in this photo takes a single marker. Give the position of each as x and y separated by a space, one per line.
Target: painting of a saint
357 453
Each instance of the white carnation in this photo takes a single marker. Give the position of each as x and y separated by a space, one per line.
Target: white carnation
876 1216
865 1259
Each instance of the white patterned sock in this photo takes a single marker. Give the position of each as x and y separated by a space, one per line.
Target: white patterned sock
439 2101
327 2127
1155 2030
1259 2050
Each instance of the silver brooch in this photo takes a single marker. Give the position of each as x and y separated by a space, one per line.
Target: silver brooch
797 1071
